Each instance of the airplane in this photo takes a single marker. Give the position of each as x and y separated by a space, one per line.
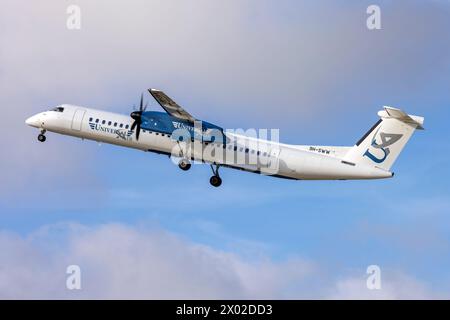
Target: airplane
179 135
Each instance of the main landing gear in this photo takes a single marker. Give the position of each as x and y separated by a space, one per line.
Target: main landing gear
41 136
184 164
215 180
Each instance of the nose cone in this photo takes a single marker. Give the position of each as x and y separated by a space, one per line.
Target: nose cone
33 121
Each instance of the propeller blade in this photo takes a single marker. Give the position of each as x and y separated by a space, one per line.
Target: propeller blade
138 131
133 125
137 116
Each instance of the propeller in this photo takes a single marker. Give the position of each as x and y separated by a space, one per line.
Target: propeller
137 117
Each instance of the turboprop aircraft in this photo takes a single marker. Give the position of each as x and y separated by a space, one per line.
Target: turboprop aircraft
178 134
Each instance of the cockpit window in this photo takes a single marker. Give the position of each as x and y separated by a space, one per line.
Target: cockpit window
58 109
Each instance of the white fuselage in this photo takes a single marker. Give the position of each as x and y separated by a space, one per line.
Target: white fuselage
245 153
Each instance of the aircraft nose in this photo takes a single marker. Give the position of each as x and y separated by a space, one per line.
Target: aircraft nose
33 121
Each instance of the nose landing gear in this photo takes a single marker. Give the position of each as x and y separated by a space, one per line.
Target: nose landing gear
41 136
215 180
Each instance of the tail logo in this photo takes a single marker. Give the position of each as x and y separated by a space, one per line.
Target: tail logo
387 139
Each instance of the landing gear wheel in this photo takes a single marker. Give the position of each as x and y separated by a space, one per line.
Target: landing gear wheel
184 164
215 181
41 138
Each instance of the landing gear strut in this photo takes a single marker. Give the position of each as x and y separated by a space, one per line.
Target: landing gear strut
41 136
215 180
184 164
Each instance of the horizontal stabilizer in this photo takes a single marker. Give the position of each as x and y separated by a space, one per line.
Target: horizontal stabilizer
390 112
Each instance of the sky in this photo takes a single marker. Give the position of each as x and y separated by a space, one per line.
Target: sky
139 227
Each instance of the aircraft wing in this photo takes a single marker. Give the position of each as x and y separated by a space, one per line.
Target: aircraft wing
170 106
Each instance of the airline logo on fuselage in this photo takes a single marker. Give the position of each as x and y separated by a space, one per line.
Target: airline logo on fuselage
123 134
387 139
179 125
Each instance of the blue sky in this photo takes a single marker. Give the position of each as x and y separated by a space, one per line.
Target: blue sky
311 69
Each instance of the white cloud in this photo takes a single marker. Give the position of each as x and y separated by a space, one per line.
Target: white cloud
119 261
233 54
397 286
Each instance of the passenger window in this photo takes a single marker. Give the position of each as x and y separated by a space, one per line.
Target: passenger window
103 122
235 148
127 126
90 119
121 125
109 123
115 124
97 120
246 150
